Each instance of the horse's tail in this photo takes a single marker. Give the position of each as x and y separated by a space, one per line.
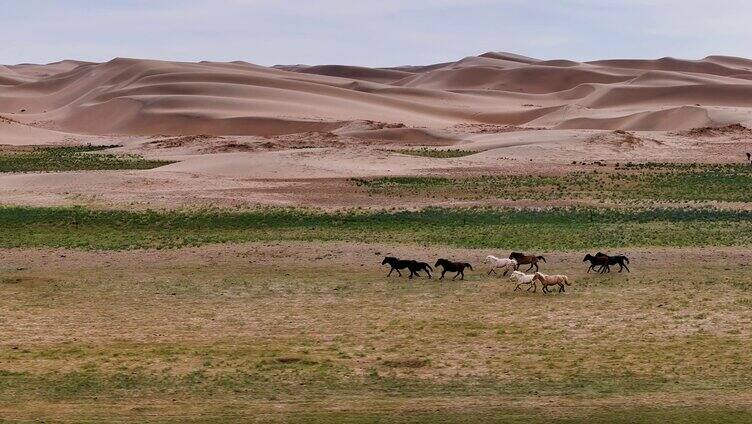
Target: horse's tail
566 280
542 258
469 266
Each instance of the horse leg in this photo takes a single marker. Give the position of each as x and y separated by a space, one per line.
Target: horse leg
531 267
427 272
505 272
411 275
442 274
462 275
492 270
561 287
398 272
625 266
390 272
589 268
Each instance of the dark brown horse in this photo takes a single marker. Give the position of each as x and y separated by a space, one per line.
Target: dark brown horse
412 266
600 261
523 259
620 260
458 267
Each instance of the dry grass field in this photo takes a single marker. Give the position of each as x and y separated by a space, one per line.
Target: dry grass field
314 332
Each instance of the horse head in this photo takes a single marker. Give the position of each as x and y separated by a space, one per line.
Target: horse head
388 259
440 261
587 257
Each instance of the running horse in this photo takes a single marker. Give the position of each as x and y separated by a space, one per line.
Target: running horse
523 259
449 266
411 265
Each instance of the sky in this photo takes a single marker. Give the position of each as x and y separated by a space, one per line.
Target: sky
370 32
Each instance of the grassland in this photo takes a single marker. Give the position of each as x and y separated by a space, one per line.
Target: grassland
436 153
204 336
284 315
551 229
638 183
71 158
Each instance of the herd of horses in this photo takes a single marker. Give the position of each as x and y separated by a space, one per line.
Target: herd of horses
600 262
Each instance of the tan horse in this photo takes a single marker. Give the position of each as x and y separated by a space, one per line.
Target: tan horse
551 280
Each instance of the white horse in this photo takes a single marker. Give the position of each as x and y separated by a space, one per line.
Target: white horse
498 263
523 278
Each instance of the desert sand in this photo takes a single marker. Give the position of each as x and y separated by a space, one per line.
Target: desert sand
248 134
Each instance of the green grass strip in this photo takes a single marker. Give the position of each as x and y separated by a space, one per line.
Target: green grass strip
640 183
435 153
551 229
72 158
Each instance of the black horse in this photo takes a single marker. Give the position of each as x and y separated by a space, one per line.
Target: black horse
412 266
601 261
620 260
458 267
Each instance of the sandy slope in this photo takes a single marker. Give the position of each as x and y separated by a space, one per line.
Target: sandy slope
235 125
131 96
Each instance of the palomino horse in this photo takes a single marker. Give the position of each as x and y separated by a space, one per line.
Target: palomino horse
458 267
551 280
523 259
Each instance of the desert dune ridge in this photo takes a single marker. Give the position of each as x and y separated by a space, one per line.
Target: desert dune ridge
147 97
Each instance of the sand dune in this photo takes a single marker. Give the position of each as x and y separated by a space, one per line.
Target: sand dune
358 73
146 97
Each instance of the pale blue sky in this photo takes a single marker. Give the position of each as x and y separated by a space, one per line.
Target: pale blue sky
370 33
